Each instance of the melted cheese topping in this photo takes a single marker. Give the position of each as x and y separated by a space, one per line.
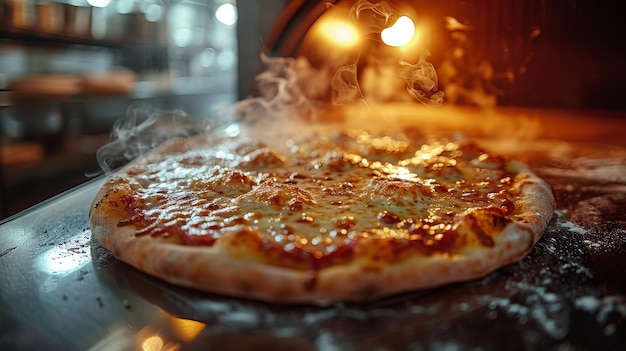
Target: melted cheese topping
321 200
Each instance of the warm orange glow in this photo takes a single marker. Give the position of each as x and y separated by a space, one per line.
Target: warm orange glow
339 32
400 33
185 329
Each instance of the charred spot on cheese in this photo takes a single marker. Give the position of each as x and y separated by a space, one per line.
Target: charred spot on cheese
392 244
296 251
485 223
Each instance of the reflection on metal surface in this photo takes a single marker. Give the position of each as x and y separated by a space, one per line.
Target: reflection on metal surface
118 339
185 329
152 343
67 257
167 333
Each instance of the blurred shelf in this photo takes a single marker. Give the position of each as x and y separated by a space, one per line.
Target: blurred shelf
5 98
27 183
219 83
40 38
70 155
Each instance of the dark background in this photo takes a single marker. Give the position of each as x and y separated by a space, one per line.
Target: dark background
576 61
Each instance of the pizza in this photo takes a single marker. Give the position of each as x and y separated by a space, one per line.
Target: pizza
320 215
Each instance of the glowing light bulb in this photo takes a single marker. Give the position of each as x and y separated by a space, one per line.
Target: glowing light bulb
226 14
345 34
340 32
400 33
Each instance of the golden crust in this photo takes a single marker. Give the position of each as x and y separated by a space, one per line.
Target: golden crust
215 269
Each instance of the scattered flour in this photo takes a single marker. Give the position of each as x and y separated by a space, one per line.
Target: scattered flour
603 307
560 220
545 288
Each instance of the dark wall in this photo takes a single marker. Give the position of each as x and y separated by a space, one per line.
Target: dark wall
562 53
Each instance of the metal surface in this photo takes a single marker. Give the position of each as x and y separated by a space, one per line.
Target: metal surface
60 290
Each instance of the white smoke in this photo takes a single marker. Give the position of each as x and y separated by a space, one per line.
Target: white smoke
421 80
345 86
288 86
292 89
377 15
381 75
140 131
289 90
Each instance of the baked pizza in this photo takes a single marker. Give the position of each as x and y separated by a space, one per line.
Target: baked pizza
320 215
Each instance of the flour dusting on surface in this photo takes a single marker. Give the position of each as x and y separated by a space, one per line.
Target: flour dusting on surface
544 286
560 215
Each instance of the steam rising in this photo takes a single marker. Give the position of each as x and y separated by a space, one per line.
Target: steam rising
345 85
420 77
142 130
381 14
292 89
287 86
421 80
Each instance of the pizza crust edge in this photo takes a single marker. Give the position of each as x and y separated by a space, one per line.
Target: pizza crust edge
213 269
